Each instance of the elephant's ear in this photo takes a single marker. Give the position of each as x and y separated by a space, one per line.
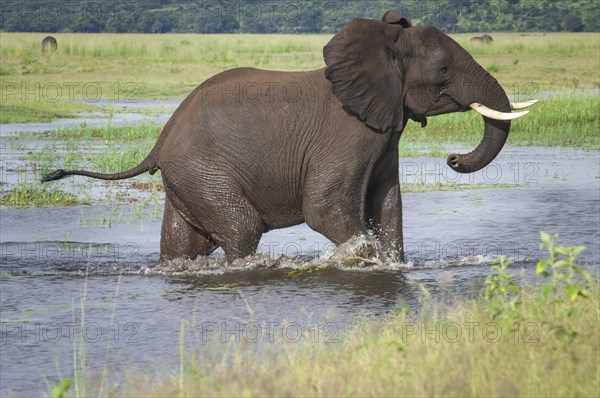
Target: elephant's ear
394 18
362 69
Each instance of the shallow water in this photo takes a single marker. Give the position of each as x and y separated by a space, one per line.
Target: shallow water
121 114
134 307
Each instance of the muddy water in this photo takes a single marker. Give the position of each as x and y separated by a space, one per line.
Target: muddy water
135 307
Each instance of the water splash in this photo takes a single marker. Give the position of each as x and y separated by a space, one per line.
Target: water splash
361 253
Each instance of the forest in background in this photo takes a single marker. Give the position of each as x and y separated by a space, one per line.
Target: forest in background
284 16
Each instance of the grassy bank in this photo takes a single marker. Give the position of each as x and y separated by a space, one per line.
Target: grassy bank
514 340
568 120
41 111
119 67
549 350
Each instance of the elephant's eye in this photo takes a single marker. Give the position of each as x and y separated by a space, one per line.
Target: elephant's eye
444 70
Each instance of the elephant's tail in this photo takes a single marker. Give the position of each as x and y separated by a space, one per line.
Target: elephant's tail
146 165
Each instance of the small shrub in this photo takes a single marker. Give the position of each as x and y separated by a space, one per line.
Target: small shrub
560 266
501 292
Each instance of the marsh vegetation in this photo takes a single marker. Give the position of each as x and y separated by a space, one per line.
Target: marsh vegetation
545 343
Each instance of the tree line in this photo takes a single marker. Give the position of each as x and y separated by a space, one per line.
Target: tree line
286 16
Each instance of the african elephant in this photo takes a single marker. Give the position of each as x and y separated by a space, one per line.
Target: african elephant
253 150
49 44
483 39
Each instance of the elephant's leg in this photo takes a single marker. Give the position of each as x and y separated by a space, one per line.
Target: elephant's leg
240 230
384 210
335 207
179 238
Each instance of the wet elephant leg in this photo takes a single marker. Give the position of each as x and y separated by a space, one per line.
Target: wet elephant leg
179 238
334 207
240 230
384 210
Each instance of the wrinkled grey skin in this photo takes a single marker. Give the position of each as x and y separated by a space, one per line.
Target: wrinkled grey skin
49 44
483 39
253 150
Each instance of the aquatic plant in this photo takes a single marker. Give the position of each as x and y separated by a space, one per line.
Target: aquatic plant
39 196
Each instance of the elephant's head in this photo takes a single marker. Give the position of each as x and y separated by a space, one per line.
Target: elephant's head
386 72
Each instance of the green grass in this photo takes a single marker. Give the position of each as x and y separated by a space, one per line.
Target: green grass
40 111
34 195
125 66
570 120
115 158
142 131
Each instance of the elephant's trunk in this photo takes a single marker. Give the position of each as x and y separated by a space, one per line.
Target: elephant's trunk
490 94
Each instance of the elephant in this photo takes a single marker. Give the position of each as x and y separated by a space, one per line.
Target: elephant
483 39
253 150
49 44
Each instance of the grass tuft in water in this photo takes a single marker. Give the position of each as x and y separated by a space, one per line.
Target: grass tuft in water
31 195
141 131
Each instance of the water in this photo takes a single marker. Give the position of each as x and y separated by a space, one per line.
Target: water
135 307
156 111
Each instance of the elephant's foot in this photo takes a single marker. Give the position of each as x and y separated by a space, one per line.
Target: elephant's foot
242 240
393 250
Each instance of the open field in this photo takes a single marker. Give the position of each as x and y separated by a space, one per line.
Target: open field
130 66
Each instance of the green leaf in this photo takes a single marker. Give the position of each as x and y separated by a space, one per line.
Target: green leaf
577 250
560 264
584 274
545 236
541 266
547 289
60 391
572 290
561 250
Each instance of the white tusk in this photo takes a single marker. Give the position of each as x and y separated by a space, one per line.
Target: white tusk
492 114
521 105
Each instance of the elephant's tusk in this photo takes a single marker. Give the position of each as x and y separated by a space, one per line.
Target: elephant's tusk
521 105
492 114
